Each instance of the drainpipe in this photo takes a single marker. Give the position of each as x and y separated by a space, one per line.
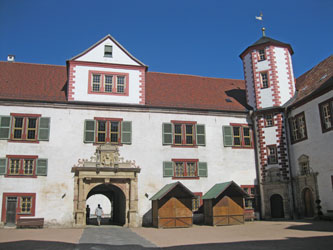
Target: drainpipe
251 113
290 169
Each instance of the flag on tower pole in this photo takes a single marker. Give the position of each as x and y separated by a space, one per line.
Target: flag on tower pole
259 17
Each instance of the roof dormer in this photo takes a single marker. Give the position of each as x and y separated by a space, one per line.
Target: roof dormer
106 72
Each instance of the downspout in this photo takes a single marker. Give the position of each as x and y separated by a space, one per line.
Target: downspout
251 113
290 168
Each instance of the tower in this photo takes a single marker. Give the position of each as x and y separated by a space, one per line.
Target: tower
270 84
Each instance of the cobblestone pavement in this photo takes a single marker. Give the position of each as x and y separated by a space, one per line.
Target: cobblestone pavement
112 235
260 235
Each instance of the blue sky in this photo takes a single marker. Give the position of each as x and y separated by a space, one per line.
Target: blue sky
199 37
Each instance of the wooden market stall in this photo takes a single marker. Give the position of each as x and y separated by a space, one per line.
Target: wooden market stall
224 205
172 206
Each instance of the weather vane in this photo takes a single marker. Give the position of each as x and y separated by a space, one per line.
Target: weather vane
261 19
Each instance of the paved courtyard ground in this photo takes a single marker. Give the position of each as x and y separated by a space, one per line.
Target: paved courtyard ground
252 235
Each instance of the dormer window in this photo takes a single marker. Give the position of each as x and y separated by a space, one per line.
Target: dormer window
109 83
262 56
96 84
108 51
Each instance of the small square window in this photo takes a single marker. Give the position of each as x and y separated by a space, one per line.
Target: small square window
262 55
271 154
108 50
264 80
269 122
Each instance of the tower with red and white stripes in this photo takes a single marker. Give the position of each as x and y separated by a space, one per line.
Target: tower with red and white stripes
270 84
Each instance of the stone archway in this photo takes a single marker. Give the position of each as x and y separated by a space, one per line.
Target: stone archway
109 174
308 203
118 203
277 210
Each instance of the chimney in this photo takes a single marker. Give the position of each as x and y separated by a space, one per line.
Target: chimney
11 58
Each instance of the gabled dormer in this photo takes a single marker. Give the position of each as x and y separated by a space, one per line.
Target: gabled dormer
106 73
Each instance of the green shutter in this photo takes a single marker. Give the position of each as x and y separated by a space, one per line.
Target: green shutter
167 136
167 169
202 169
201 137
89 131
227 136
5 127
41 167
126 132
3 166
44 129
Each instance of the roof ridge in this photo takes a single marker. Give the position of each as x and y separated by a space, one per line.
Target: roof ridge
41 64
195 76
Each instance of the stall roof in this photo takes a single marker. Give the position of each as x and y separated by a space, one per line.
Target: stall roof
219 188
167 188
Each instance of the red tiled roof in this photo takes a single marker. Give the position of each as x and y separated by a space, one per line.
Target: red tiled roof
28 81
39 82
310 81
187 91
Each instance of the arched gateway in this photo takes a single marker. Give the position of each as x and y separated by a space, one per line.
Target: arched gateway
108 174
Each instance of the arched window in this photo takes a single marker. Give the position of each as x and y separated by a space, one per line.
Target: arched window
304 165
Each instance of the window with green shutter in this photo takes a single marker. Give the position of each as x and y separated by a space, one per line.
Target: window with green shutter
227 136
167 134
126 132
108 130
89 131
25 127
184 169
237 136
202 169
41 167
3 166
183 133
168 169
201 137
44 129
5 127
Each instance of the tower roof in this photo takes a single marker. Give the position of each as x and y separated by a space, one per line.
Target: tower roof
267 41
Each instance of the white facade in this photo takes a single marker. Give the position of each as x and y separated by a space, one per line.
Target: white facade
54 192
318 147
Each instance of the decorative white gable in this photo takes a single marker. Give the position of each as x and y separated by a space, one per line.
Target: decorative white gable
118 55
106 72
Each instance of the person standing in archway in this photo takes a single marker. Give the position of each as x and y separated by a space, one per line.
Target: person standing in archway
87 214
99 213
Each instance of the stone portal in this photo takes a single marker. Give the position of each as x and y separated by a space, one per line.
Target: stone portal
107 168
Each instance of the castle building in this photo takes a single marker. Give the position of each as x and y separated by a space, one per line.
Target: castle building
103 124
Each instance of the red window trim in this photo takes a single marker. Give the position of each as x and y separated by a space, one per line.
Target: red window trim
268 82
18 214
184 145
21 158
249 187
114 87
329 101
264 49
276 154
265 119
107 139
251 135
23 139
185 177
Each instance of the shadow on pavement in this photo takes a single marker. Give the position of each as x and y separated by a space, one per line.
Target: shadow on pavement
318 243
319 226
